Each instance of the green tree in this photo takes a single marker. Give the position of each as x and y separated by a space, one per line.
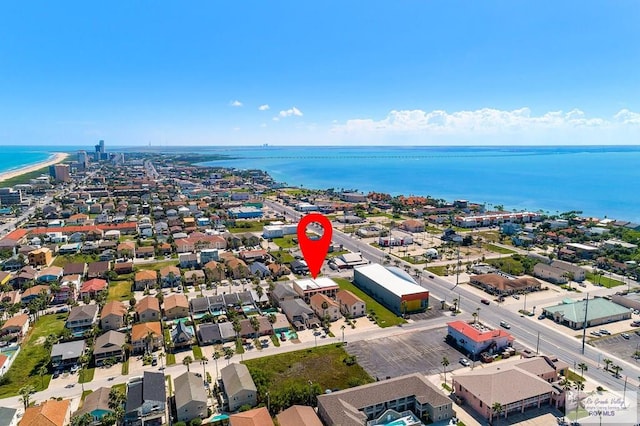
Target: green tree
496 410
187 360
25 393
445 363
84 420
583 367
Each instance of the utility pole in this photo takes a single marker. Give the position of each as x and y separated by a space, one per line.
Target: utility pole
584 327
538 343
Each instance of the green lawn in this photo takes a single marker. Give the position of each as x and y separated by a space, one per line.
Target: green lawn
85 376
122 387
247 226
24 370
171 359
64 259
285 242
438 270
119 290
286 376
156 266
385 318
603 280
497 249
84 394
283 256
197 352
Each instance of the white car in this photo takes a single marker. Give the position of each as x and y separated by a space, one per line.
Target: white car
465 362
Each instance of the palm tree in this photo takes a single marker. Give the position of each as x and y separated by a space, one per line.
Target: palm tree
117 400
216 356
237 327
25 394
84 420
496 409
565 384
607 363
255 324
583 367
445 363
617 369
42 371
579 386
186 361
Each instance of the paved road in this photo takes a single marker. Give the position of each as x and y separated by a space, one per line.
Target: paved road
525 329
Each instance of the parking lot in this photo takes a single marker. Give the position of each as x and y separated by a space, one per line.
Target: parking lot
618 346
416 352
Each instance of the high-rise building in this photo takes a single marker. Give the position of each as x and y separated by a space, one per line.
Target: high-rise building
10 197
100 154
83 160
60 172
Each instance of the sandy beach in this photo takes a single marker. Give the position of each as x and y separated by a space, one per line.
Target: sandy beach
56 157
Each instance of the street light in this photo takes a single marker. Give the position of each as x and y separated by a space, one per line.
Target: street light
342 328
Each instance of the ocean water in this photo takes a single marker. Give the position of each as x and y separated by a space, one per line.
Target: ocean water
599 181
15 157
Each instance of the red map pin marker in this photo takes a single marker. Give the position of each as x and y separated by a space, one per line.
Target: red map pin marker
314 251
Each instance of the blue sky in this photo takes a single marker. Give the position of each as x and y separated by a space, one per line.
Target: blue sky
326 72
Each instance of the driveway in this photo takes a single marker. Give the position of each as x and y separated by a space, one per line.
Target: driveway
416 352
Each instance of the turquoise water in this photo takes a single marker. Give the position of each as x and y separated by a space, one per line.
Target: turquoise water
15 157
599 181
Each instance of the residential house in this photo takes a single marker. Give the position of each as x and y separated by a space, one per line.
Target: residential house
413 225
182 335
67 291
215 271
148 309
92 288
9 298
278 270
34 292
82 318
98 269
190 397
281 324
112 316
126 249
8 416
121 268
210 334
170 276
324 307
264 327
75 269
194 277
199 306
176 306
40 257
109 346
298 415
299 314
253 255
259 269
50 413
350 305
188 260
237 268
207 255
96 404
146 337
238 386
405 396
67 354
50 274
256 417
282 292
16 326
144 252
299 267
145 279
146 400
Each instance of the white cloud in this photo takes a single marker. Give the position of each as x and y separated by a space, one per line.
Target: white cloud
236 103
264 107
293 111
482 121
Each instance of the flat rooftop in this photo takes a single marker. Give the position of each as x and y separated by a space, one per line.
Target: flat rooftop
393 279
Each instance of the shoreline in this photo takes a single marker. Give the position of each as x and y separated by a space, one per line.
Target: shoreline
54 158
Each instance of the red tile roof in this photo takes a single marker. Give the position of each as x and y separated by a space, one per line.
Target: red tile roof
93 285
